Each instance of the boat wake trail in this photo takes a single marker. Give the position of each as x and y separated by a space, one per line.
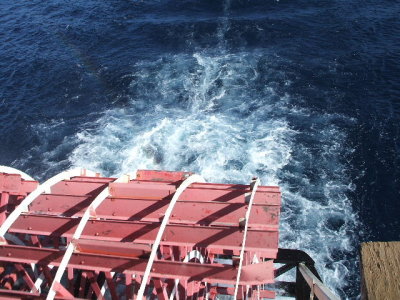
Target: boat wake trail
228 118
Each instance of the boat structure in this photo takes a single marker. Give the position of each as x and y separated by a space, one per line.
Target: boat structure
146 235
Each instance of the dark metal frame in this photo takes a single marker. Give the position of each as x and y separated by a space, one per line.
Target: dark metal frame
308 284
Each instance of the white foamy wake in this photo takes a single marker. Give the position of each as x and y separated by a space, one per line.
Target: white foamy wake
221 116
190 113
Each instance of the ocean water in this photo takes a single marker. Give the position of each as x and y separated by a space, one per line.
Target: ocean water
303 94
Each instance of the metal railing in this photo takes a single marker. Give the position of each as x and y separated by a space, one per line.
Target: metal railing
318 289
308 284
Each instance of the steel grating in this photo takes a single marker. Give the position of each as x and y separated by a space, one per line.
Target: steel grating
80 235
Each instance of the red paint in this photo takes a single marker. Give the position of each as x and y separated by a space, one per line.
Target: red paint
205 218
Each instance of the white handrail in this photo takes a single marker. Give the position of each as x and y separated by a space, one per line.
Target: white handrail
45 187
90 210
247 217
10 170
191 179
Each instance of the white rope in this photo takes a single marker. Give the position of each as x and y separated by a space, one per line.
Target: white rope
45 187
78 232
192 179
247 217
10 170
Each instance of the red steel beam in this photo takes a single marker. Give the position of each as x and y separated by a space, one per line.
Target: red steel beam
78 187
136 189
163 190
216 238
173 180
171 184
15 185
210 185
255 274
196 192
185 212
92 179
112 248
10 183
153 175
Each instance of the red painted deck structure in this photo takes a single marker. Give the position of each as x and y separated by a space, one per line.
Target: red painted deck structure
158 234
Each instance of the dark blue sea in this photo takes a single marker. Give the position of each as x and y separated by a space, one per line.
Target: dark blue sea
303 94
